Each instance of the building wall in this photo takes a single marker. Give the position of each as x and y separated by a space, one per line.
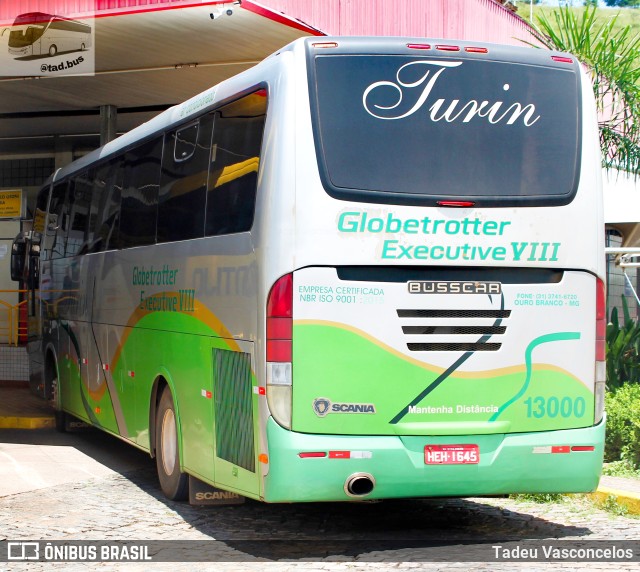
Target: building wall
482 20
618 286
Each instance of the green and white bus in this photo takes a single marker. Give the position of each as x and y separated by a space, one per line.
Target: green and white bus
365 268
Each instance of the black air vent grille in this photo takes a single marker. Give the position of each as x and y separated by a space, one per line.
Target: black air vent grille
449 330
454 347
442 330
454 313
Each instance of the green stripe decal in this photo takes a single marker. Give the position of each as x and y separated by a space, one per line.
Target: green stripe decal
434 385
560 336
368 384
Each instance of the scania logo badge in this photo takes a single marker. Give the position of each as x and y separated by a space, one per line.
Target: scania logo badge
321 406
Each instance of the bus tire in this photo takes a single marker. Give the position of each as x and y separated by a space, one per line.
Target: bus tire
53 50
59 415
174 484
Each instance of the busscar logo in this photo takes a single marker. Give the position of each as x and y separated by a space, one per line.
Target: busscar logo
455 287
323 406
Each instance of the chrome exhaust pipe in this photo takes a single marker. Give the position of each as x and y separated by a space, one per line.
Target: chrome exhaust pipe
359 485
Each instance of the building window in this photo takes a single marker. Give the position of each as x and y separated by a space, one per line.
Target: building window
25 172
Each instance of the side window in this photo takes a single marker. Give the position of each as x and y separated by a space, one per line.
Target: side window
79 200
105 207
235 158
183 186
57 221
185 142
139 204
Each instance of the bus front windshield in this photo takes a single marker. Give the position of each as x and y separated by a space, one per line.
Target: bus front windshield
25 36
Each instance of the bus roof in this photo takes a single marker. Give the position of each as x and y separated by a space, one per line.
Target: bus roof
32 18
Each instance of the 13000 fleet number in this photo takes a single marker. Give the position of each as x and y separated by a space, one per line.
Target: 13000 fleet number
552 407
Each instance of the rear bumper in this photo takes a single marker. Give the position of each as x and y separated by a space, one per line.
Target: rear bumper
509 463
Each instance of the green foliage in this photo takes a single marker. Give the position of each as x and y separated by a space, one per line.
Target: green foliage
622 441
611 505
611 55
625 16
622 3
539 498
620 469
623 349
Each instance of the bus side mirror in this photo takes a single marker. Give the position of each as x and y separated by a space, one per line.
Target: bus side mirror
33 275
18 258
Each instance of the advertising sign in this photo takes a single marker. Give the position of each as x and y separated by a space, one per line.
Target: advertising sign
11 204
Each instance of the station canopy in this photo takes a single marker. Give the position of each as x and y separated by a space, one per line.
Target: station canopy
144 56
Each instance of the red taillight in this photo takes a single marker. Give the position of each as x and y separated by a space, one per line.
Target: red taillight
312 455
278 328
280 301
474 50
601 321
279 350
447 48
419 46
280 320
562 59
458 204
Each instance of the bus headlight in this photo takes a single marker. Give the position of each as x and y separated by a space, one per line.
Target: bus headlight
279 392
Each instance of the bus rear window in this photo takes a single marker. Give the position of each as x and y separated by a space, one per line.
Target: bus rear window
414 130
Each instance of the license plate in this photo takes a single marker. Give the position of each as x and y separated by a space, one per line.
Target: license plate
451 454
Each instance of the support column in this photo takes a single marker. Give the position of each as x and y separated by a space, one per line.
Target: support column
108 123
63 151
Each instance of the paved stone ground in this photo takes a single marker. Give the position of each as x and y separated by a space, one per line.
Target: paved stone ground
125 504
318 537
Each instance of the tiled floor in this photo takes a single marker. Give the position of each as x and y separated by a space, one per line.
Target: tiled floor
22 409
14 364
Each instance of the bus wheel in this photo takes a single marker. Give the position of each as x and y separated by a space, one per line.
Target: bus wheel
53 50
174 484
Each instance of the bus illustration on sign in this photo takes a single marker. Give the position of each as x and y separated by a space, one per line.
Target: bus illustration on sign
40 34
365 268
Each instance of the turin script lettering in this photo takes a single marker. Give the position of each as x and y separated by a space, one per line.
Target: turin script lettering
440 109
